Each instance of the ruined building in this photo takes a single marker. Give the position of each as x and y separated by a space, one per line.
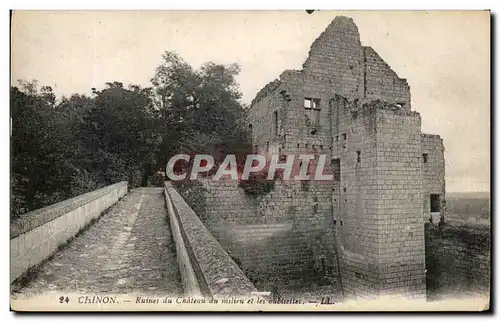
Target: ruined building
348 103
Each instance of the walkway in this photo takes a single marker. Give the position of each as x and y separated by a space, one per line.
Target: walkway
129 249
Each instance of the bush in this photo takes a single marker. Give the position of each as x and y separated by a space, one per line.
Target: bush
257 184
134 178
157 179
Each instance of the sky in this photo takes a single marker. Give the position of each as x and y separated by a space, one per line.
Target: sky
445 56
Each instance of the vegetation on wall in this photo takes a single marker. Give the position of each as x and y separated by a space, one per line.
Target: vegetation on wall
257 184
457 259
466 233
158 179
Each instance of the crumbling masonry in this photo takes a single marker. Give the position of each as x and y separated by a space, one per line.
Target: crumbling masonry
348 103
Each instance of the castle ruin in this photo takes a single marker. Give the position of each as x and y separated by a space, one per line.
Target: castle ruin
389 177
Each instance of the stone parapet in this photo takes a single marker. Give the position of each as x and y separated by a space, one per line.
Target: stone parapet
216 274
38 234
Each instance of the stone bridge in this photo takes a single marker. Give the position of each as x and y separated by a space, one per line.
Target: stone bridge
144 241
149 241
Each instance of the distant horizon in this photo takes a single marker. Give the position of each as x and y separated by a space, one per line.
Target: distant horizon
469 192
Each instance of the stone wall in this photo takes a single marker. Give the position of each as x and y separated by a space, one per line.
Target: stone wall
433 175
382 83
399 206
337 57
355 197
283 235
38 234
378 202
458 261
267 119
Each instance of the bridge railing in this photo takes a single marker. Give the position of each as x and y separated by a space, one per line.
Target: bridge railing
206 268
36 235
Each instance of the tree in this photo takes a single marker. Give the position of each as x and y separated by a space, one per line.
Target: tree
199 110
65 148
72 113
118 134
39 164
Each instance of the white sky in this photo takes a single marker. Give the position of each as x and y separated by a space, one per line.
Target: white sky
444 55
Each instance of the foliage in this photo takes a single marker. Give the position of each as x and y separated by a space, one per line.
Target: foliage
470 234
65 147
117 135
158 179
200 111
257 184
42 149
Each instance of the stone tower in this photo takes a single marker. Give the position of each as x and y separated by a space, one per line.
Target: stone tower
348 103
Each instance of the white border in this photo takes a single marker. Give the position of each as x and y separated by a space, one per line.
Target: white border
190 4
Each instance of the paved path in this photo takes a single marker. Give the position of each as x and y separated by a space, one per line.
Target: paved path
129 249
